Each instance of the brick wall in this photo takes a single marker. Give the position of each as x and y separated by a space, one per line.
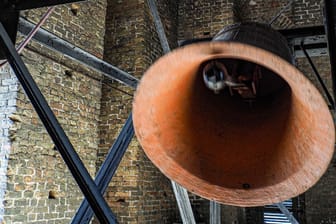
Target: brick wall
201 19
138 193
40 188
8 94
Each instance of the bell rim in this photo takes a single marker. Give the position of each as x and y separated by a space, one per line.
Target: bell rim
213 50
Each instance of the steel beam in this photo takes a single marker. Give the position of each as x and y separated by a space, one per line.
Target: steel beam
183 203
274 18
319 78
215 213
159 27
330 26
9 19
32 4
287 213
107 170
56 43
57 134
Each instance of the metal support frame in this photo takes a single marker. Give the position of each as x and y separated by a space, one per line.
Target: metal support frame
109 166
287 213
107 169
215 213
56 43
32 4
274 18
330 26
24 43
181 193
325 89
159 27
57 134
10 11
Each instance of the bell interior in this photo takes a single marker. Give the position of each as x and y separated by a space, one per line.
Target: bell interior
230 141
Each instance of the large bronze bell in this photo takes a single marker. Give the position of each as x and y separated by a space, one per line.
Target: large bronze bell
232 120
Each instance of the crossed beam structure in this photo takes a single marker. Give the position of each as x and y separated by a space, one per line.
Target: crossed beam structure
9 19
94 189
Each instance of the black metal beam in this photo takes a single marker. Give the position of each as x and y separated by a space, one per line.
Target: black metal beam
57 134
56 43
302 32
9 18
107 169
32 4
329 21
310 46
319 78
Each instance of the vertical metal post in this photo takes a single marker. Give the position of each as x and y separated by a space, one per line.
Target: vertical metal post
287 213
329 21
183 203
181 193
107 169
215 213
57 134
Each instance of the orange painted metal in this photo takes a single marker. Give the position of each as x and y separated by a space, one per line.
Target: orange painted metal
222 148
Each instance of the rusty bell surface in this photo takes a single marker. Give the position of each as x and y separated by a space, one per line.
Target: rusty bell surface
232 120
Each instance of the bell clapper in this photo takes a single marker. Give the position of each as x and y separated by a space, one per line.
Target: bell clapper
216 77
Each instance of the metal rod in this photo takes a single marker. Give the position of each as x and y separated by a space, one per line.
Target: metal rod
57 134
56 43
107 170
274 18
325 89
24 43
215 213
183 203
181 193
159 27
329 22
287 213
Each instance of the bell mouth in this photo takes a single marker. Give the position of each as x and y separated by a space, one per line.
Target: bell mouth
223 146
232 137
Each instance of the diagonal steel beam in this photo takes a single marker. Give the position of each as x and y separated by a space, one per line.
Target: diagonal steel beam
56 43
287 213
32 4
330 28
24 43
181 193
57 134
107 169
319 78
215 213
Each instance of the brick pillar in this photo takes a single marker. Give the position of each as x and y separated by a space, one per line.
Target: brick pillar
8 93
138 193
